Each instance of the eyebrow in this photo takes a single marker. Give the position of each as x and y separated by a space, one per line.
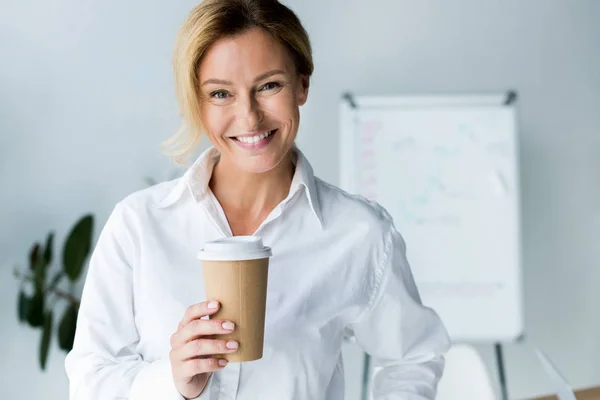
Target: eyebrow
258 78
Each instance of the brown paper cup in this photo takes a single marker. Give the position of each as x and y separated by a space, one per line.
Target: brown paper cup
235 273
241 288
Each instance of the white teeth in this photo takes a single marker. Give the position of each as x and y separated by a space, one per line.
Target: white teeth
254 139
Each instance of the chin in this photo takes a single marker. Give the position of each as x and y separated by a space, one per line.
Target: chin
263 160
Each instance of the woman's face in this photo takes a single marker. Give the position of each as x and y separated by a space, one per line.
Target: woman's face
250 98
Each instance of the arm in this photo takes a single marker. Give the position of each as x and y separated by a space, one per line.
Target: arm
406 340
103 363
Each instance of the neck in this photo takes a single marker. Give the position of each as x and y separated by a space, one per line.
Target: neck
252 194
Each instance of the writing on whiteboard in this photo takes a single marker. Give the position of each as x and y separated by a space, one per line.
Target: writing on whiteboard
434 172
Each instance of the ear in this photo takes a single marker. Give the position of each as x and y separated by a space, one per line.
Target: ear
304 81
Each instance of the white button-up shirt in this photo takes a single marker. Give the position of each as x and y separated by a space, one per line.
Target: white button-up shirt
338 269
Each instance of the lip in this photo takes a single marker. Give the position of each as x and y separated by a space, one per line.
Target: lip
256 145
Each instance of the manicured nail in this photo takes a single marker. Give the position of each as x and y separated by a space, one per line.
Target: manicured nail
232 344
229 326
212 305
222 362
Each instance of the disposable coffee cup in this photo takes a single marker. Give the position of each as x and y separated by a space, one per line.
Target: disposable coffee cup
235 273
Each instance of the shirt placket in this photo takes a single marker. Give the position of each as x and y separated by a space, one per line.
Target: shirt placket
229 381
216 214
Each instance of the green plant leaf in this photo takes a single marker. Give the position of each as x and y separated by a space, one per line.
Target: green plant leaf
39 276
77 247
56 280
48 249
66 329
23 307
46 336
35 311
34 255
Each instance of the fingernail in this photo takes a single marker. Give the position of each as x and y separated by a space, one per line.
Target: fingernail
213 304
232 344
222 362
228 326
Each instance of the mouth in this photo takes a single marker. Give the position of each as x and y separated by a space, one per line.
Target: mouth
255 141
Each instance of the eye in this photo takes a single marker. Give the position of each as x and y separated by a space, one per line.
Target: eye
219 94
270 86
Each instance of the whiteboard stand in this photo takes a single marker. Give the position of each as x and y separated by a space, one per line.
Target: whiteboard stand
510 98
425 158
366 376
501 371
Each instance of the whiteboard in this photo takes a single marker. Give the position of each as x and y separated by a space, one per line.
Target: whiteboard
446 168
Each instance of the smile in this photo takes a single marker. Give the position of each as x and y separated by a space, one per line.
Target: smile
256 141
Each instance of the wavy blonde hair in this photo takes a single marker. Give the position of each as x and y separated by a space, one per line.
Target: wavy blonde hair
213 20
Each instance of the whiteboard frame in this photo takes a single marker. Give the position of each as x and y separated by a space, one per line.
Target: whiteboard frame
348 117
433 100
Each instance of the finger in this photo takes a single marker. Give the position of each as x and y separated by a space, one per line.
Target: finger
203 347
199 310
190 368
201 327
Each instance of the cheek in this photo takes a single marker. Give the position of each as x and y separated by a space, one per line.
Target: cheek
215 119
284 109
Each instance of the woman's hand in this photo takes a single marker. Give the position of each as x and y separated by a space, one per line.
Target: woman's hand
193 356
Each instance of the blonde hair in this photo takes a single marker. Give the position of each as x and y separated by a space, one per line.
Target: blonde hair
213 20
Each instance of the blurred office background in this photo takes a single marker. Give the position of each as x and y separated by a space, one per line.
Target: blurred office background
86 96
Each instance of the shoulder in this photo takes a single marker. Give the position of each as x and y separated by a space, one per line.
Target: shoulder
364 223
131 214
151 197
139 207
340 207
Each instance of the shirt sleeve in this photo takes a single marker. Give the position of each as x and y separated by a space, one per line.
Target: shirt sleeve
406 340
104 363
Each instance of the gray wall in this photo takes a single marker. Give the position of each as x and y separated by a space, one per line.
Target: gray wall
86 96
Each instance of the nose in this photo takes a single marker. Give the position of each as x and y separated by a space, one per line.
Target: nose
249 114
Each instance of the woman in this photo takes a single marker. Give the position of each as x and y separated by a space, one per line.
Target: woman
242 70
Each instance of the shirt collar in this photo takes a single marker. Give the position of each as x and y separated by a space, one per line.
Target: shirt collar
196 179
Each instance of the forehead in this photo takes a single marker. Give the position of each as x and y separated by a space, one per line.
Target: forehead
250 53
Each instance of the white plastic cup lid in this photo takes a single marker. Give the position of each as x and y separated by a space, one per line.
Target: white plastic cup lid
236 248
